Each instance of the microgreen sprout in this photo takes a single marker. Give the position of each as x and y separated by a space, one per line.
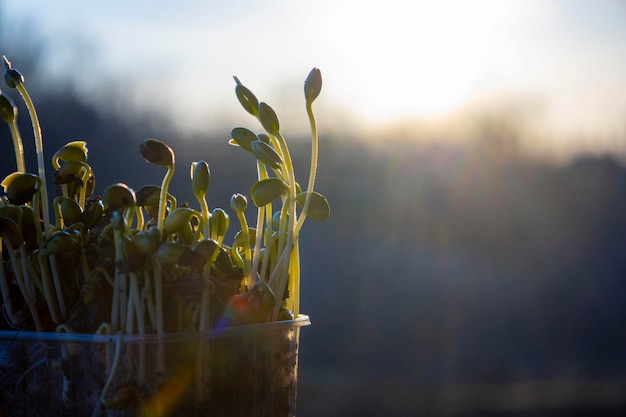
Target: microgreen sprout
14 79
239 203
159 153
200 182
8 111
150 265
271 151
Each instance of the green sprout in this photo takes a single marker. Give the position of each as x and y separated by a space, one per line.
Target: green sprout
239 203
14 79
200 182
8 112
146 264
272 152
158 153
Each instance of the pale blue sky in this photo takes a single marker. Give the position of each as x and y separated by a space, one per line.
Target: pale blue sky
382 61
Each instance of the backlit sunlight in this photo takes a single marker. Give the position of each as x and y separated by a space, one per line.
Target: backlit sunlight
424 58
382 61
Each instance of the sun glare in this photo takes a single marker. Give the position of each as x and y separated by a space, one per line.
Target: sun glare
422 58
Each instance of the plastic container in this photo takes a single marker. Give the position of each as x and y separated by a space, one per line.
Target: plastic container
241 371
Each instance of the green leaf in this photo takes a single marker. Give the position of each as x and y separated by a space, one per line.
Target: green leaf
319 209
70 210
58 242
72 151
207 249
179 218
313 85
118 196
238 202
266 154
8 110
265 191
71 172
157 152
21 187
219 221
11 76
243 137
148 195
269 119
200 177
170 252
264 138
247 100
145 242
238 240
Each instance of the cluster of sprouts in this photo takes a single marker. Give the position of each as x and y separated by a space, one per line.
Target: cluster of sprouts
135 261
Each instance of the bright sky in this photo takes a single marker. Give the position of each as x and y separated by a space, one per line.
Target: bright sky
563 61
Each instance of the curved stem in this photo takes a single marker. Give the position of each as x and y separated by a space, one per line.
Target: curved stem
18 146
47 287
205 215
40 156
56 279
105 328
163 196
115 303
279 281
160 329
313 169
261 174
294 280
247 254
28 296
147 296
140 218
29 288
116 360
4 289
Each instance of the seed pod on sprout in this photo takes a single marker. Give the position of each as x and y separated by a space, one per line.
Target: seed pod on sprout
21 187
11 76
238 203
118 196
319 209
264 138
267 190
149 196
72 151
266 154
59 242
145 242
269 119
156 152
93 211
178 219
240 136
70 210
313 85
8 110
219 222
248 101
207 249
200 178
169 253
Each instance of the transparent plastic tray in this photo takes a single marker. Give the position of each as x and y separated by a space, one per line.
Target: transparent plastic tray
239 371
